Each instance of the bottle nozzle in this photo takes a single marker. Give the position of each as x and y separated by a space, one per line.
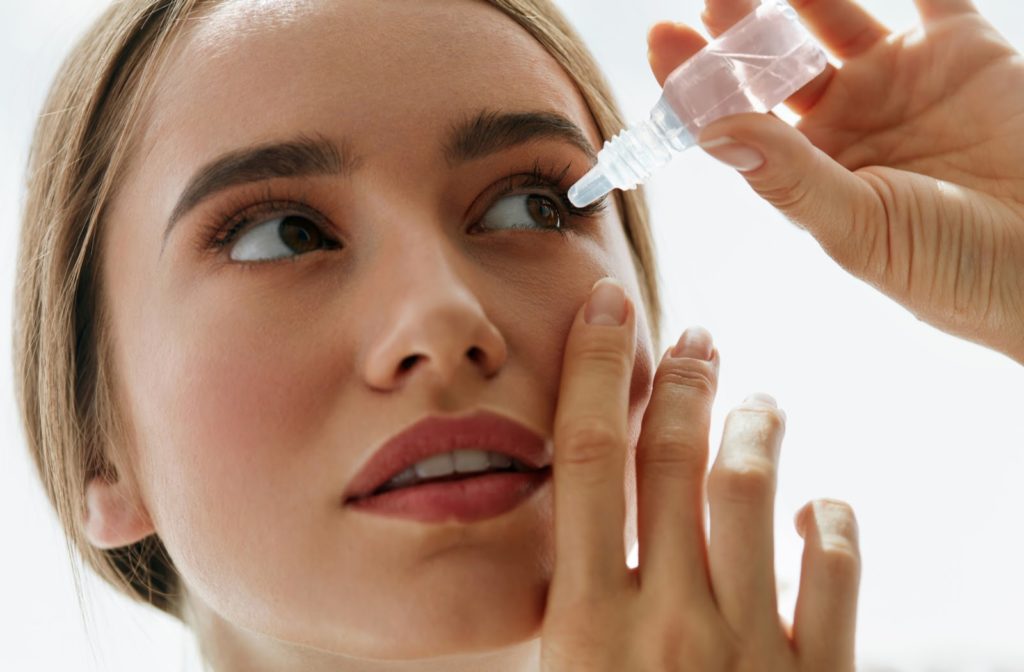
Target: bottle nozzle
632 155
755 65
590 187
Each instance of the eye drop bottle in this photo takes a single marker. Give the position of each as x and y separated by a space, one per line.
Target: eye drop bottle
752 67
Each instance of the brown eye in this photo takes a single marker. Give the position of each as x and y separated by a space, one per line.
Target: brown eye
523 211
542 210
287 236
300 234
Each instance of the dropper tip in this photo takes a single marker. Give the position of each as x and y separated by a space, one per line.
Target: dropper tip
590 187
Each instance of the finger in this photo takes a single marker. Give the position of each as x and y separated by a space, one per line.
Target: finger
808 95
720 15
590 439
825 621
741 497
846 29
843 26
931 10
669 45
842 210
671 460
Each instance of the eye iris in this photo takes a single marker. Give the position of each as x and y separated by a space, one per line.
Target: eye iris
542 211
299 234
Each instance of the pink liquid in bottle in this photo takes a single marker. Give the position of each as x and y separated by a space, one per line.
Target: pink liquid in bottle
755 65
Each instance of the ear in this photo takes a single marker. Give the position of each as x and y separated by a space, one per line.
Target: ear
114 516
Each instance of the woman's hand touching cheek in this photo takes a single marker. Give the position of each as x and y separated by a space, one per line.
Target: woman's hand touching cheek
907 164
691 604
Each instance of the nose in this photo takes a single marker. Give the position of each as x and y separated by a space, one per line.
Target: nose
434 326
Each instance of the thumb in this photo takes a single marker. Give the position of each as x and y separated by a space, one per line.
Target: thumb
841 210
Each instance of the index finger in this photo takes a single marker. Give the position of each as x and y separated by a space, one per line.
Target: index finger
590 441
843 26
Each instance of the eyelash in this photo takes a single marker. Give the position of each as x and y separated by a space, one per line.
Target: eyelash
543 177
240 212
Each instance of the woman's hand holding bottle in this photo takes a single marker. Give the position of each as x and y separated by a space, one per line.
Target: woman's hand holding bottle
692 603
907 164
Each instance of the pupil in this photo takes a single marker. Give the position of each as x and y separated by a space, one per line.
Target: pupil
299 234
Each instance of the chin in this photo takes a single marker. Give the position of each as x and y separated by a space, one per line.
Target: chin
447 622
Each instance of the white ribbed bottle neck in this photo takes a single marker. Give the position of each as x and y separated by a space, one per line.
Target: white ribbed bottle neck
630 157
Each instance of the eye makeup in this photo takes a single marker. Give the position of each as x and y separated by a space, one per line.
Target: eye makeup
556 185
264 201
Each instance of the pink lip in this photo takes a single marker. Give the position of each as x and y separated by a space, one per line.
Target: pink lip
466 501
432 435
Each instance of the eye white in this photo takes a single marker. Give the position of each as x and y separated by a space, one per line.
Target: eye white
512 212
261 243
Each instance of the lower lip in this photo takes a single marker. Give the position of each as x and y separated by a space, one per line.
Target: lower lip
465 500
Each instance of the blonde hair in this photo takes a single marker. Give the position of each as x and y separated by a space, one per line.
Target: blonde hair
65 380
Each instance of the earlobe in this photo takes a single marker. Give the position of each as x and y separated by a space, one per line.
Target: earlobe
114 517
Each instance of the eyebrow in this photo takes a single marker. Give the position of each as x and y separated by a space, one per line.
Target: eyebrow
488 132
476 136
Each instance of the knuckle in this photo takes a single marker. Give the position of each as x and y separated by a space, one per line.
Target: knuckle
787 191
747 479
681 640
674 456
867 249
687 375
589 441
605 355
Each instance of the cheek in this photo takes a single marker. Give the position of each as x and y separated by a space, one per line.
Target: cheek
538 321
237 389
228 404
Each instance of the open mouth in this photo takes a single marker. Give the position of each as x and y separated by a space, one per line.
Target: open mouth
454 469
458 497
412 481
457 465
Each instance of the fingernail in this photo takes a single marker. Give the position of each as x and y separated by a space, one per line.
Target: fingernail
695 343
799 520
727 150
607 304
760 398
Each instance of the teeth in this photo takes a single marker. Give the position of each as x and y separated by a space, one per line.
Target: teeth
498 460
467 461
438 465
405 478
457 461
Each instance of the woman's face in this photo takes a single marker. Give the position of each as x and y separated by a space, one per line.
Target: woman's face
256 391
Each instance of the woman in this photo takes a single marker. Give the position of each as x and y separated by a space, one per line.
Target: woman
433 270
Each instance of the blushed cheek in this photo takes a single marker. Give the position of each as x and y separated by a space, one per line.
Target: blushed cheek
242 481
230 412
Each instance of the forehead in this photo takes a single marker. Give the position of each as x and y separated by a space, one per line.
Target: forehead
381 72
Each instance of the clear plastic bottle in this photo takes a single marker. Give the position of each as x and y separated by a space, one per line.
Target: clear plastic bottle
752 67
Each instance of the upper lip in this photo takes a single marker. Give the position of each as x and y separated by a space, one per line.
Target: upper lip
434 435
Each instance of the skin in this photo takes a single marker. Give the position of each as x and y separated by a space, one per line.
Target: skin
918 173
256 394
906 162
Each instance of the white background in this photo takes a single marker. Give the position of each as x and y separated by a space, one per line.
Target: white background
921 432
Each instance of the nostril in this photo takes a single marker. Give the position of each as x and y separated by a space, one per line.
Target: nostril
408 362
475 354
